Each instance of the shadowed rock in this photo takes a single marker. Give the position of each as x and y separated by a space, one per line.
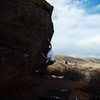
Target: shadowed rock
25 27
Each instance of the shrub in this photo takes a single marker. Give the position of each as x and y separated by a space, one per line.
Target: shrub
94 82
73 74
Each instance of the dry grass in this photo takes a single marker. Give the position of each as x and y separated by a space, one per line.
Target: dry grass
87 71
55 69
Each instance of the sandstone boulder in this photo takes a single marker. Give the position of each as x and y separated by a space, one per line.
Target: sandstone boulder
25 27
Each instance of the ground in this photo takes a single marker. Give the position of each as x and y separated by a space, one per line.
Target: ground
81 76
44 84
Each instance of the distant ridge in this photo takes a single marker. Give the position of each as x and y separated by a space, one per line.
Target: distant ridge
78 59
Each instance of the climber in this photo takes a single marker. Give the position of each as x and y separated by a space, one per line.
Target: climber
49 56
49 59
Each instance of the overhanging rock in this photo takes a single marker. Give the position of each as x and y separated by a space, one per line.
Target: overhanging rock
25 26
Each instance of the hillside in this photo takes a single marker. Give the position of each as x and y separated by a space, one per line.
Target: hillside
81 76
71 62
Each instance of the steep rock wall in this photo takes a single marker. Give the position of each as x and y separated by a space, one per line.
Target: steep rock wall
25 27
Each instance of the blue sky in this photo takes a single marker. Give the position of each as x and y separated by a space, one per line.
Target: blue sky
76 27
91 6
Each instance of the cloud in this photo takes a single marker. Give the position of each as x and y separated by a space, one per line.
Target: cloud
76 31
98 6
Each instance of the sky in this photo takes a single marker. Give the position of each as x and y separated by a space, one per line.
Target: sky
76 27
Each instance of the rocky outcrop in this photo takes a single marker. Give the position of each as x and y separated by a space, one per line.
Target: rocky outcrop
25 27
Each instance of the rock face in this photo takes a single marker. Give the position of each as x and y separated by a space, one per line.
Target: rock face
25 27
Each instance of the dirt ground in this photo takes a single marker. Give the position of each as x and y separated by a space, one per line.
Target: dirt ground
42 84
